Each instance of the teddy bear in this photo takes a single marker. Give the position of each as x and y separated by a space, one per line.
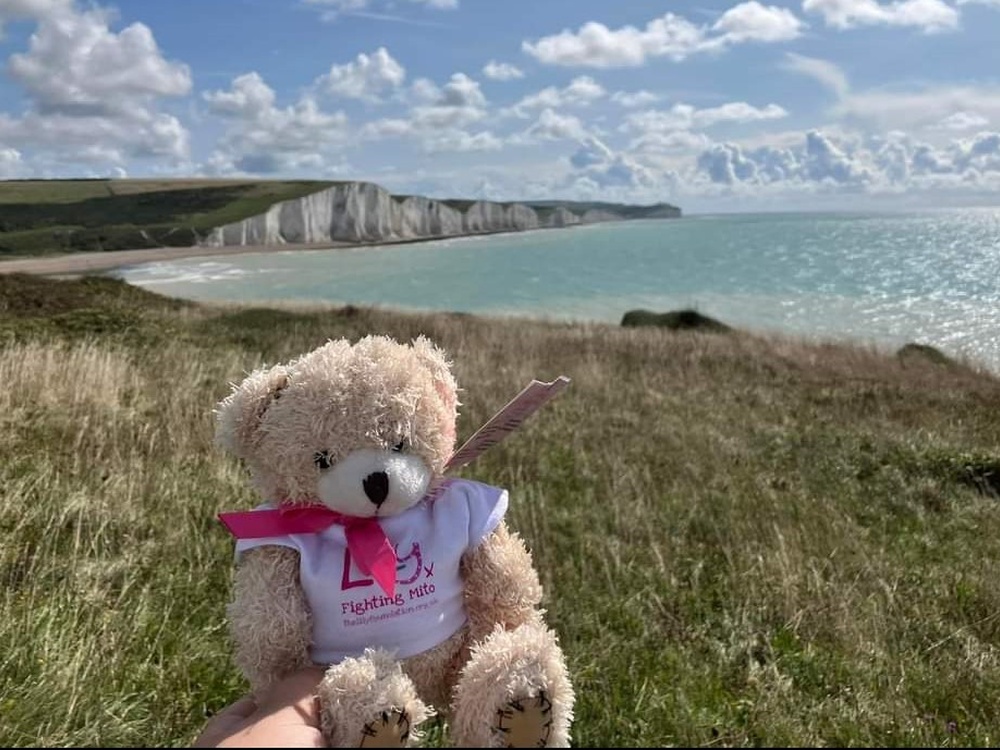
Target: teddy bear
405 585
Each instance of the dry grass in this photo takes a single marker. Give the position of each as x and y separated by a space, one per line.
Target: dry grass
744 541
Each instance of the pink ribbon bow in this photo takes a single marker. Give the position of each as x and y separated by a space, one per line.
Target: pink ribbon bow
366 541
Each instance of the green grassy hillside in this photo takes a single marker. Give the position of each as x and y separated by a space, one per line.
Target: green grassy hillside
744 541
41 217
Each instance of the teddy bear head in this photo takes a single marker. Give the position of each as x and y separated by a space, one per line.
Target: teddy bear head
362 428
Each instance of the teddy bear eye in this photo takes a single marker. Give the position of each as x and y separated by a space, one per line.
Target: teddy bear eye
322 459
399 447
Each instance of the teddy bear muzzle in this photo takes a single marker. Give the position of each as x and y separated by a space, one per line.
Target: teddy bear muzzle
368 482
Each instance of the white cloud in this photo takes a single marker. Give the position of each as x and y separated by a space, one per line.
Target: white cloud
392 127
439 118
17 9
630 99
76 64
598 46
678 141
366 77
963 121
461 91
687 117
581 91
980 153
460 141
823 159
90 88
928 160
928 15
823 71
671 36
925 108
332 11
10 163
248 97
501 71
342 6
596 164
142 135
266 139
893 163
425 90
32 8
736 112
552 125
827 167
753 22
458 103
725 163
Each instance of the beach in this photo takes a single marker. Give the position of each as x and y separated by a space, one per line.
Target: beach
76 264
73 264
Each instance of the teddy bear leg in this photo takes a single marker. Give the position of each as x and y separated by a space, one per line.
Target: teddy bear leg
368 702
514 692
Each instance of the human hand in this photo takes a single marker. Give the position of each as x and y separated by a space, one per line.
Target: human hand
287 715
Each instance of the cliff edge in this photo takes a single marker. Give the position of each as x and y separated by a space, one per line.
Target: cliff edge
363 212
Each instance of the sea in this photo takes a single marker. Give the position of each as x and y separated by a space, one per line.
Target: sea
882 279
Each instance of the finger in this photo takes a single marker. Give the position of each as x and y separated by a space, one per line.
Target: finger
309 737
239 710
293 699
231 719
266 735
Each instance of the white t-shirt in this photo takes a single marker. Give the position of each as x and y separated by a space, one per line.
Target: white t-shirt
351 612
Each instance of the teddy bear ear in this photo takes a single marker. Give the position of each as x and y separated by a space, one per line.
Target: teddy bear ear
435 360
238 416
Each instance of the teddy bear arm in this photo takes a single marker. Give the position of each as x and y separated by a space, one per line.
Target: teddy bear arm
269 616
500 583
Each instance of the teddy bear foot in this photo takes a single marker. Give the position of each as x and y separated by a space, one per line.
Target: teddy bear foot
369 702
514 692
526 722
391 729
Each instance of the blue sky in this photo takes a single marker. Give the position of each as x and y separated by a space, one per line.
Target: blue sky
713 105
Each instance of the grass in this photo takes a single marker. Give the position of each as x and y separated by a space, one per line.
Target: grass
39 217
744 541
71 191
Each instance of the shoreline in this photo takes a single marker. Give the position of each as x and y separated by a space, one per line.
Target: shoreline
79 264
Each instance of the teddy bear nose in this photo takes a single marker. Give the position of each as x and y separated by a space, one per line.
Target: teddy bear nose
376 486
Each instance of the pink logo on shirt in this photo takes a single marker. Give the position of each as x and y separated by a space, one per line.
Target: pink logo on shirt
408 569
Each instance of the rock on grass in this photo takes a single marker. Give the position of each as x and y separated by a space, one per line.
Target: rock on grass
677 320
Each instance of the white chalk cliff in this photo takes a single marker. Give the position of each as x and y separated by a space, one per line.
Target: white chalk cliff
365 212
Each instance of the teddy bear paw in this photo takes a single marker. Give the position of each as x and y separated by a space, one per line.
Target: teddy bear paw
525 722
390 729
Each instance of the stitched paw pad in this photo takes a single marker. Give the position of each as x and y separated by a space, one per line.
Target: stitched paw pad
391 729
526 722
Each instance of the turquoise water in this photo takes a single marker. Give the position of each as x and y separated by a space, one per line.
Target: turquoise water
885 279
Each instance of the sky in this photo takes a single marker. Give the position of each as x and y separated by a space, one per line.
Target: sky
712 105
